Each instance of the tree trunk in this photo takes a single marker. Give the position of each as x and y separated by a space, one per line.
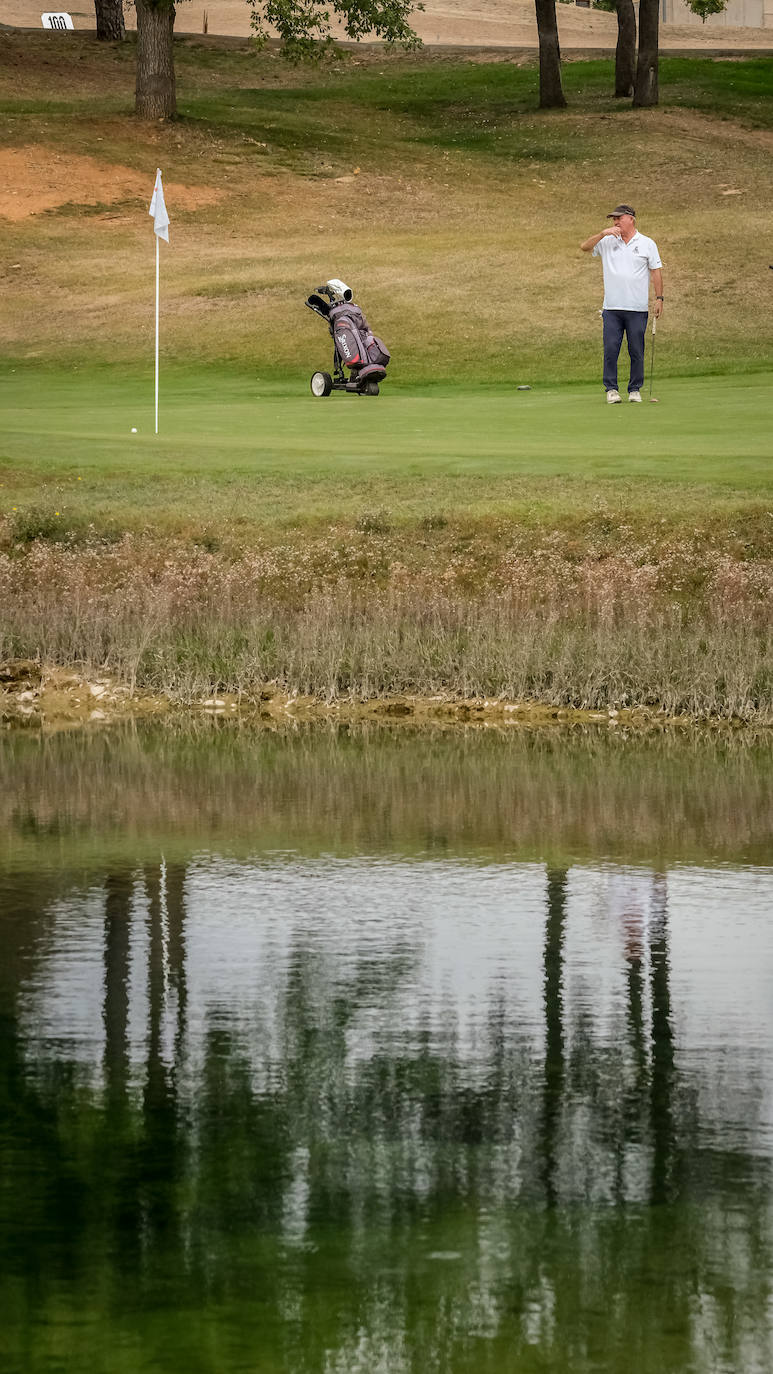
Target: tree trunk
155 93
555 1044
110 25
625 52
115 1012
551 95
646 87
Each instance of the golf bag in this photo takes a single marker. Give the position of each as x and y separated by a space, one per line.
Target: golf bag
355 346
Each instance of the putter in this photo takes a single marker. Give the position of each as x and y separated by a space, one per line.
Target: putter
652 398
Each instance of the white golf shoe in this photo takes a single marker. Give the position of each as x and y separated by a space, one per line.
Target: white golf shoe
613 398
634 396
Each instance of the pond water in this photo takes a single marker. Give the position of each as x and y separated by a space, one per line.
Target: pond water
385 1050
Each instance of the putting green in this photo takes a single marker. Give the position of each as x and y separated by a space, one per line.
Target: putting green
233 446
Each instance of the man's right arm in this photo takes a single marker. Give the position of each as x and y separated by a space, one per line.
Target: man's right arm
590 244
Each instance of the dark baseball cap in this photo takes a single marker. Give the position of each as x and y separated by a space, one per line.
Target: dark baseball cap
622 210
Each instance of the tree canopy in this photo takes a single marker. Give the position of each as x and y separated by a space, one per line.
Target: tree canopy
304 25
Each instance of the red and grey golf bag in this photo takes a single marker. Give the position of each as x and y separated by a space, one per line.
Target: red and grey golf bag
356 344
358 352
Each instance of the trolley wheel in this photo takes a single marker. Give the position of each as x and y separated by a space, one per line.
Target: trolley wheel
370 389
321 384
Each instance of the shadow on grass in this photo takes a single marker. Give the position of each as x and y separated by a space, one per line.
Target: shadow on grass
488 108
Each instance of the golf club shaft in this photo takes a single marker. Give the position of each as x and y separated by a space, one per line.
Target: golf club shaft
652 355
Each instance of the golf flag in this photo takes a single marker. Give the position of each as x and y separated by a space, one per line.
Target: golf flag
157 210
160 219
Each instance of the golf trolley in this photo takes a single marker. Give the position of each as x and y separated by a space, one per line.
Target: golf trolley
355 346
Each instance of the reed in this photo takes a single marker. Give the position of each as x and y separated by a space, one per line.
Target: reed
685 635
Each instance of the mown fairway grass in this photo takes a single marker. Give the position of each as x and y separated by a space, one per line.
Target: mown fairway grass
249 454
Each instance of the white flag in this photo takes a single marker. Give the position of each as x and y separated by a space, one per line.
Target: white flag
158 210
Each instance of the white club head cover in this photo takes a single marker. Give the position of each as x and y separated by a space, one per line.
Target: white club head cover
338 290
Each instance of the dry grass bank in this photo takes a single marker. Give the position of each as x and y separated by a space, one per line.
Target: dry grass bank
688 634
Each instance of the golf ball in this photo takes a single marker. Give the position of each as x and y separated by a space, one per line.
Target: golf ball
133 430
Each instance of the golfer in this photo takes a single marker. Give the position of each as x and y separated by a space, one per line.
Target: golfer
630 260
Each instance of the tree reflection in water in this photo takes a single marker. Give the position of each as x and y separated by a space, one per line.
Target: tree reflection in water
326 1187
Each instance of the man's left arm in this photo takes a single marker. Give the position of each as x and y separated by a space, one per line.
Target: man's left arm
656 277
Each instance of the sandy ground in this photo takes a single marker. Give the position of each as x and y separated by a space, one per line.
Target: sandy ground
464 23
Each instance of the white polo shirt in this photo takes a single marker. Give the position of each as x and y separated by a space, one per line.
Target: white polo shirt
627 268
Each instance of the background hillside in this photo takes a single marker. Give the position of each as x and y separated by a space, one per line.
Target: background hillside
430 183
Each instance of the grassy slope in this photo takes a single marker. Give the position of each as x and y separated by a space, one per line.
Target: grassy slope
464 194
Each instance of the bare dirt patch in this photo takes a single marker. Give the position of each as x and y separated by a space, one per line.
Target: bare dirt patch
34 179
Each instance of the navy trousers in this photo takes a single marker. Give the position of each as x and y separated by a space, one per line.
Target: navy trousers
632 323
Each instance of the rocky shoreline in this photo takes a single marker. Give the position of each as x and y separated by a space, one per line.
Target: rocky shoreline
51 697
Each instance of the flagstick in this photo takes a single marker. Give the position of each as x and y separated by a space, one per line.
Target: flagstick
157 255
161 229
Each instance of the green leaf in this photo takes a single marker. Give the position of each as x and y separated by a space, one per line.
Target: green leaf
706 7
303 26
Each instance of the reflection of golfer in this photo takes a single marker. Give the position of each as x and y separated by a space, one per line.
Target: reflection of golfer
629 259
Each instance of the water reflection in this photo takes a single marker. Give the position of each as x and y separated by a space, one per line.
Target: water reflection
402 1109
557 794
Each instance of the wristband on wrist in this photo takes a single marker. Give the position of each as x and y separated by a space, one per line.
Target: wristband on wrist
660 298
